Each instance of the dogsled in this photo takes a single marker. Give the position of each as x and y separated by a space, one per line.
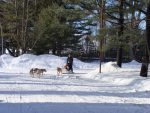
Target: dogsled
64 70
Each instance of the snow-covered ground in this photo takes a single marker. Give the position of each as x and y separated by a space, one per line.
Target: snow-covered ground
115 90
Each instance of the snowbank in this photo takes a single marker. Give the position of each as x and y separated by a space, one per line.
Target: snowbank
133 62
105 68
110 66
133 65
24 63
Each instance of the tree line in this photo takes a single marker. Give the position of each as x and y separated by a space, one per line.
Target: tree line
40 26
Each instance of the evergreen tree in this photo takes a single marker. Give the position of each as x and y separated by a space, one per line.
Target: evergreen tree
53 30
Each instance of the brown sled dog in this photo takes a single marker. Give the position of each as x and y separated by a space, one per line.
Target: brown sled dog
60 70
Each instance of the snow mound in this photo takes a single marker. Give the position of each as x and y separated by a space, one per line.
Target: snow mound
109 67
134 62
105 68
133 65
25 62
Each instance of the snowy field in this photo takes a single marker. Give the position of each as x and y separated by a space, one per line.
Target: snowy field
115 90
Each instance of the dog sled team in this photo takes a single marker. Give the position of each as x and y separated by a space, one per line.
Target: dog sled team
67 68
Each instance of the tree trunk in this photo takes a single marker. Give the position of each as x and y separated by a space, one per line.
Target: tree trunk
54 48
119 57
145 59
120 33
24 25
144 68
54 51
17 28
148 28
102 25
59 48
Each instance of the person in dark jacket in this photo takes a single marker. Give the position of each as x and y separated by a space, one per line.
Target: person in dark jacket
70 63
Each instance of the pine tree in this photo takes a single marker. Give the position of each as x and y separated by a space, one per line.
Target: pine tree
54 29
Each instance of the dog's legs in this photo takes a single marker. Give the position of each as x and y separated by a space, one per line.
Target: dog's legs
42 73
39 75
58 73
32 75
